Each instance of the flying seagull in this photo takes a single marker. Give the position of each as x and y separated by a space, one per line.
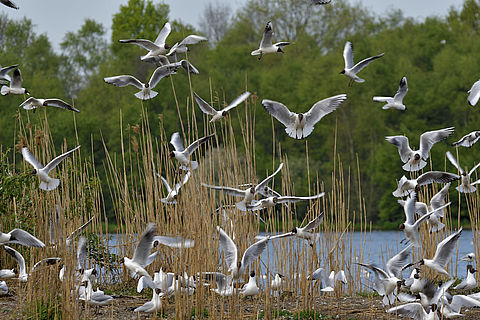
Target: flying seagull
46 182
272 201
34 103
299 126
416 160
15 85
137 264
465 186
22 271
181 47
247 194
397 101
146 88
183 155
171 197
266 45
159 47
350 69
468 140
406 185
218 115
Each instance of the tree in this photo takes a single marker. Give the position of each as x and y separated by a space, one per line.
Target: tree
215 20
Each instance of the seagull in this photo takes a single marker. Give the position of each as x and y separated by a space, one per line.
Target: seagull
7 273
251 288
183 155
443 253
474 94
328 282
405 185
276 283
21 237
416 160
397 101
351 70
468 140
9 3
224 283
159 47
266 45
272 201
301 233
173 242
162 60
218 115
171 197
387 281
410 226
416 311
465 186
4 72
3 288
470 257
22 272
450 310
33 103
137 264
97 298
247 194
469 282
300 125
146 91
181 47
46 183
15 85
153 305
436 202
236 267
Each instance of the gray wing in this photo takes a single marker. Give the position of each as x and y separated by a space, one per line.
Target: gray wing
402 90
438 199
123 81
262 184
192 39
409 208
396 263
194 145
229 248
29 103
79 230
228 190
185 64
185 179
162 36
453 161
267 36
48 261
60 104
473 169
280 112
218 277
23 237
237 101
18 257
4 72
474 94
319 274
142 251
348 55
429 138
441 291
401 142
378 272
446 247
165 183
159 74
147 306
145 44
81 252
314 223
174 242
30 158
436 176
177 142
365 62
52 164
297 199
322 108
17 79
204 105
253 252
412 310
315 2
459 301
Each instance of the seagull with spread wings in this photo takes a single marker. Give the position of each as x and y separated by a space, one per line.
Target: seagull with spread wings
350 69
272 201
468 140
405 186
416 160
183 155
247 194
300 125
34 103
266 45
218 115
397 101
159 47
137 264
15 85
465 186
171 197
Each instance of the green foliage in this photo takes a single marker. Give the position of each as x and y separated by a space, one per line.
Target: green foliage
199 314
43 310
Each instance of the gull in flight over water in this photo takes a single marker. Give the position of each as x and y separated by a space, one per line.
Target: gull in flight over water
266 45
397 101
406 185
46 182
137 264
350 69
218 115
300 125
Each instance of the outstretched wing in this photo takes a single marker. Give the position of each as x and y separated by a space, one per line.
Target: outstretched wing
474 94
401 142
162 36
402 90
395 264
145 44
436 176
262 184
204 105
123 81
142 251
446 247
228 190
314 223
267 36
322 108
159 74
30 158
237 101
194 145
348 55
280 112
429 138
229 248
297 199
365 62
177 142
253 252
57 103
453 161
52 164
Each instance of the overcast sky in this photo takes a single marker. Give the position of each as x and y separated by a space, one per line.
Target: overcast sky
56 17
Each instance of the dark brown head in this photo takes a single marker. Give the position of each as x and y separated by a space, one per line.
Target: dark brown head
34 172
147 85
342 72
421 262
26 91
167 46
171 154
275 199
417 276
157 291
280 275
300 117
252 190
175 197
477 133
416 157
294 230
122 261
433 307
94 272
224 113
401 227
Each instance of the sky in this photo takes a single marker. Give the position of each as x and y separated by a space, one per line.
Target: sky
56 17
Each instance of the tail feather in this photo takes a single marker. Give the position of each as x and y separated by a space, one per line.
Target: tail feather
52 184
143 96
435 228
463 189
255 52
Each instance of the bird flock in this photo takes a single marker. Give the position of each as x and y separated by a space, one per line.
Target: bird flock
416 296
